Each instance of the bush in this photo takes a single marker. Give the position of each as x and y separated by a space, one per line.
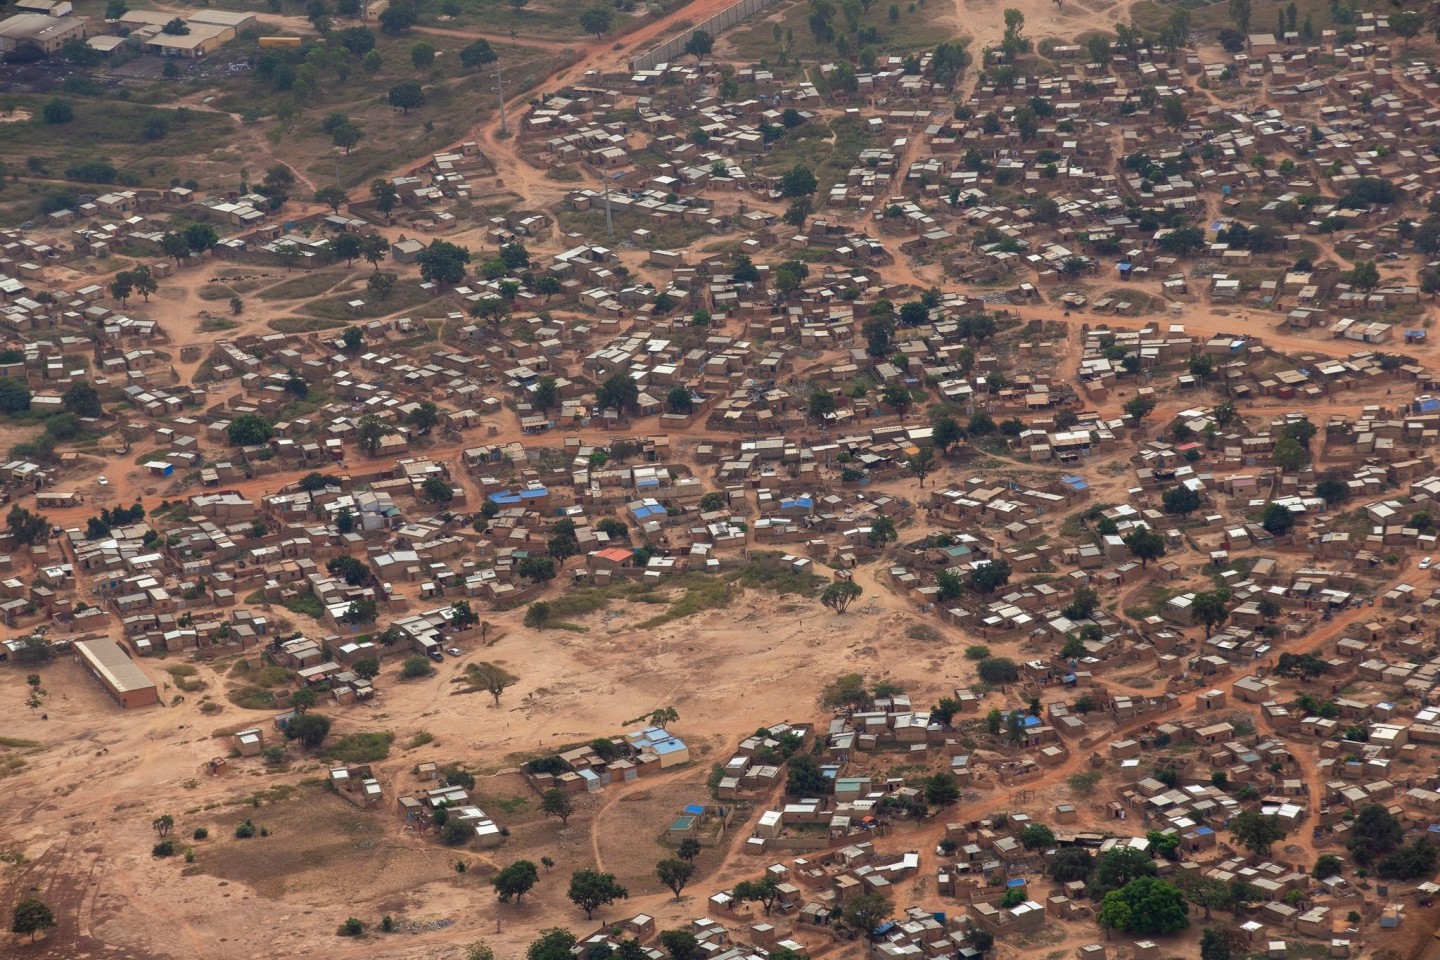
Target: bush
455 832
57 111
415 667
201 833
998 670
310 729
165 848
245 831
978 652
350 928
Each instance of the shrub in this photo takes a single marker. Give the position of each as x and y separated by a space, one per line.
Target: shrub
201 833
245 830
415 667
455 832
350 928
165 848
998 670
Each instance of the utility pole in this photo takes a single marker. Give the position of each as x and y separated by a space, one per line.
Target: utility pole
609 221
500 85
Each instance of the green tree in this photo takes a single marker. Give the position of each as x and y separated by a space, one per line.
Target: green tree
764 891
1150 906
867 912
1256 831
1279 519
1172 109
951 586
555 803
249 430
1289 455
424 417
1139 407
334 198
407 95
515 880
1214 946
443 263
675 874
798 181
1118 867
14 395
492 678
592 889
31 915
552 944
26 528
1210 609
1207 893
82 400
200 237
700 44
1406 24
385 196
679 399
618 392
1070 864
941 790
840 594
346 136
1181 500
477 55
596 20
989 577
804 778
1037 836
309 729
1374 833
1365 276
173 245
345 246
921 464
398 18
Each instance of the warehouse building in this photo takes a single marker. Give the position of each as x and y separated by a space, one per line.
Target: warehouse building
116 672
39 33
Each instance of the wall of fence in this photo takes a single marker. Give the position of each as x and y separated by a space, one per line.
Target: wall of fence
674 48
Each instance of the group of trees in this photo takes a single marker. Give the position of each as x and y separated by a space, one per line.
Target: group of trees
98 527
129 282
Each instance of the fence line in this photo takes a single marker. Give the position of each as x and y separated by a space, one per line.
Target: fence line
675 47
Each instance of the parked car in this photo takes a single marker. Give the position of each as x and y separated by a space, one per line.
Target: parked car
453 651
1425 564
